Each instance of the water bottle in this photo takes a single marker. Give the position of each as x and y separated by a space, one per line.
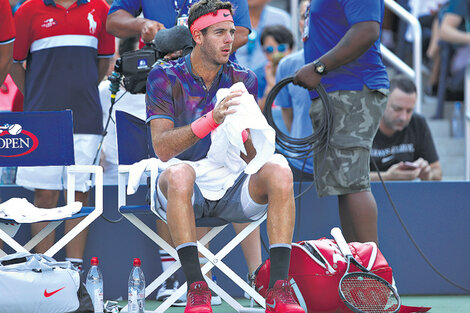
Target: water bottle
457 121
136 289
94 285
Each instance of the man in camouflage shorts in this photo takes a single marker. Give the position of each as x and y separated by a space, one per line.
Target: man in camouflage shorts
342 51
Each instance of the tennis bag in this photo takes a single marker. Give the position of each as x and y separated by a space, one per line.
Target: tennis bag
316 267
34 283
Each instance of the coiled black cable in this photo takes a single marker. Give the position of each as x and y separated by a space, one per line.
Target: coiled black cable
302 148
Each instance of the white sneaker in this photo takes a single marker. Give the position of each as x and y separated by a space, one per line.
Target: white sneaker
250 280
216 300
168 287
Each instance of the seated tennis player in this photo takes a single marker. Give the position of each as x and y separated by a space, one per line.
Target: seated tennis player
182 113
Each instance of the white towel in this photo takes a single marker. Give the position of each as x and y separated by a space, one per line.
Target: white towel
217 172
22 211
227 141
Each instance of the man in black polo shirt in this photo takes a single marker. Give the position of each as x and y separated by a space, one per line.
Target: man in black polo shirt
403 148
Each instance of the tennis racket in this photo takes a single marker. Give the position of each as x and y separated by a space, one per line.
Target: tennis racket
364 292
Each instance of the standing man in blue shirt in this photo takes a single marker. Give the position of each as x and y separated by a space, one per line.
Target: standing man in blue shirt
342 51
123 20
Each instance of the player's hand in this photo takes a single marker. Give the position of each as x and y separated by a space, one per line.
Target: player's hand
150 29
225 107
306 77
396 172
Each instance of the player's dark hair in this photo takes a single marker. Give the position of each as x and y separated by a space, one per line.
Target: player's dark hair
403 83
204 7
280 33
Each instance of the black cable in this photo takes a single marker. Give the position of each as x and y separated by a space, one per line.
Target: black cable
433 267
301 148
114 87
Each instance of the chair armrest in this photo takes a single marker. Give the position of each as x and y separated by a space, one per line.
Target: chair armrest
97 170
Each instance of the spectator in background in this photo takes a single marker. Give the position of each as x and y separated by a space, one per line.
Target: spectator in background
457 13
403 148
295 103
123 20
68 52
455 28
342 50
277 42
261 15
7 36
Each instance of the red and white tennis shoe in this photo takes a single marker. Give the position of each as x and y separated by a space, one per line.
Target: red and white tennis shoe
280 299
199 298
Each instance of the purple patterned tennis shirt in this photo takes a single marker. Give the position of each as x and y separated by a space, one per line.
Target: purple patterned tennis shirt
174 92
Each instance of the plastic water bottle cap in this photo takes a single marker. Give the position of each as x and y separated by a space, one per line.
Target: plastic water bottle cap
94 261
137 262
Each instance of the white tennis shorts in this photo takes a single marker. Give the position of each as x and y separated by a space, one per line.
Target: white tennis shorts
55 177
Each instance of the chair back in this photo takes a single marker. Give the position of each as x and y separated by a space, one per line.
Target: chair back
132 138
27 138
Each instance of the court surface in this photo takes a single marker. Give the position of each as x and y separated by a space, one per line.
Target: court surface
439 304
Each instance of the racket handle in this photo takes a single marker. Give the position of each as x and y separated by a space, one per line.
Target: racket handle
342 244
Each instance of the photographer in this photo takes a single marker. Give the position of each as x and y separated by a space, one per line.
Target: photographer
123 20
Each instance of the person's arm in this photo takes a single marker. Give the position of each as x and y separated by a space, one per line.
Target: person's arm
18 74
122 24
288 117
103 67
436 171
241 37
168 141
428 171
357 40
6 59
450 29
250 149
396 172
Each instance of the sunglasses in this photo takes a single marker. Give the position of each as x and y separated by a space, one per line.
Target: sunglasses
280 48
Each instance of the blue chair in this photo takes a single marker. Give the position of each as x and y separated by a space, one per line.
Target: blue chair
133 138
45 139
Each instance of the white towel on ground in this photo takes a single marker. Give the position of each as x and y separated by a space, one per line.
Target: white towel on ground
22 211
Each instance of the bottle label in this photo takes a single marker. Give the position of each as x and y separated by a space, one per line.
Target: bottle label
98 301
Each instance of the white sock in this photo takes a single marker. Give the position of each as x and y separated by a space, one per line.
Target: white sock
166 259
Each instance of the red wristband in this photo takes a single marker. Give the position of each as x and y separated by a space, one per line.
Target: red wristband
245 135
204 125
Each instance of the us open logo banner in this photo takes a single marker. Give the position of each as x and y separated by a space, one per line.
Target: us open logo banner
36 138
15 141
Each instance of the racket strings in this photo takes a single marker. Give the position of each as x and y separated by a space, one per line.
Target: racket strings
368 294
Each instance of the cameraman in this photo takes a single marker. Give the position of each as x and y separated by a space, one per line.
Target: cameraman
123 20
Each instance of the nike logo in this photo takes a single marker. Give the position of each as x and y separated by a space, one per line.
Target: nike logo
386 159
48 294
271 305
226 14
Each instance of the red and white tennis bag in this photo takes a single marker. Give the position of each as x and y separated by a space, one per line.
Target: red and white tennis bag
316 267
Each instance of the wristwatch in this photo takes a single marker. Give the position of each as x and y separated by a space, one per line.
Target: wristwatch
319 67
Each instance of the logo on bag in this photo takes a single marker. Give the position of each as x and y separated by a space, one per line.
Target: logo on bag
272 305
48 294
15 141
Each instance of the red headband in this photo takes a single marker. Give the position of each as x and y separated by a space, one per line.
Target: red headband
211 19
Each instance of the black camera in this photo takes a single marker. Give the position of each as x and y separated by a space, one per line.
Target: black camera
135 66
